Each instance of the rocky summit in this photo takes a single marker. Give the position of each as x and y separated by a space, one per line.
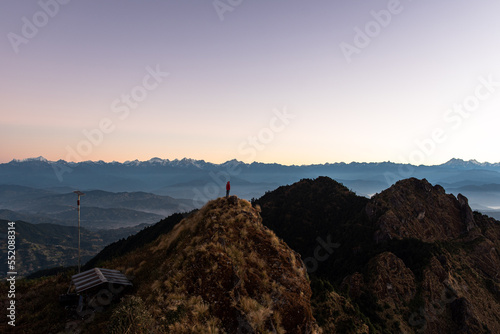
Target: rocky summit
456 288
222 269
415 209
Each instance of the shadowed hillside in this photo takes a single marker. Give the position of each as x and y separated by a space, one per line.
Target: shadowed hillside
124 246
412 259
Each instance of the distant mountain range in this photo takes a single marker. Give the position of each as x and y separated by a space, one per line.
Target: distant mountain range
202 164
198 181
470 164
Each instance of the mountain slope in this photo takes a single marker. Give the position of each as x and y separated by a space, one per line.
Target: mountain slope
310 212
220 270
124 246
412 259
217 271
224 261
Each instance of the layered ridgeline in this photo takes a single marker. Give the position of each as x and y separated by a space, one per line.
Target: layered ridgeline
100 209
198 180
411 259
218 271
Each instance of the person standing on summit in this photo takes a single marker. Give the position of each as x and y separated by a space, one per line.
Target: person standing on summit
228 188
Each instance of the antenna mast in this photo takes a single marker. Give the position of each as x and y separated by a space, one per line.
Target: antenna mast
79 193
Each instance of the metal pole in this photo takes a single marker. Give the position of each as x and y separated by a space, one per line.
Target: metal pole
79 193
78 233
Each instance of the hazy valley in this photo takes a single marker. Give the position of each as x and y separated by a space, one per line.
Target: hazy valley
310 256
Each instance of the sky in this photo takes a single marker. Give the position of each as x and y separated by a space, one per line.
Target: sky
290 82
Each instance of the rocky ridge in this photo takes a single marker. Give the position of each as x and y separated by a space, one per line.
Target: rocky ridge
413 258
221 271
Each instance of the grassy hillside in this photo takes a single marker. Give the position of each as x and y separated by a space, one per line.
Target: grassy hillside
217 271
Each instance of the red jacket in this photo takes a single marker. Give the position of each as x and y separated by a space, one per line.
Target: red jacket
228 186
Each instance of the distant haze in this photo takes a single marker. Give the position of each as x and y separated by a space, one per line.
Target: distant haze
198 181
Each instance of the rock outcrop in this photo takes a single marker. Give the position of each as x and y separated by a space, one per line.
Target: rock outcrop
414 208
466 212
221 268
420 261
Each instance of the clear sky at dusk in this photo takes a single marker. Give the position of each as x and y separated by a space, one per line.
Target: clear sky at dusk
292 82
